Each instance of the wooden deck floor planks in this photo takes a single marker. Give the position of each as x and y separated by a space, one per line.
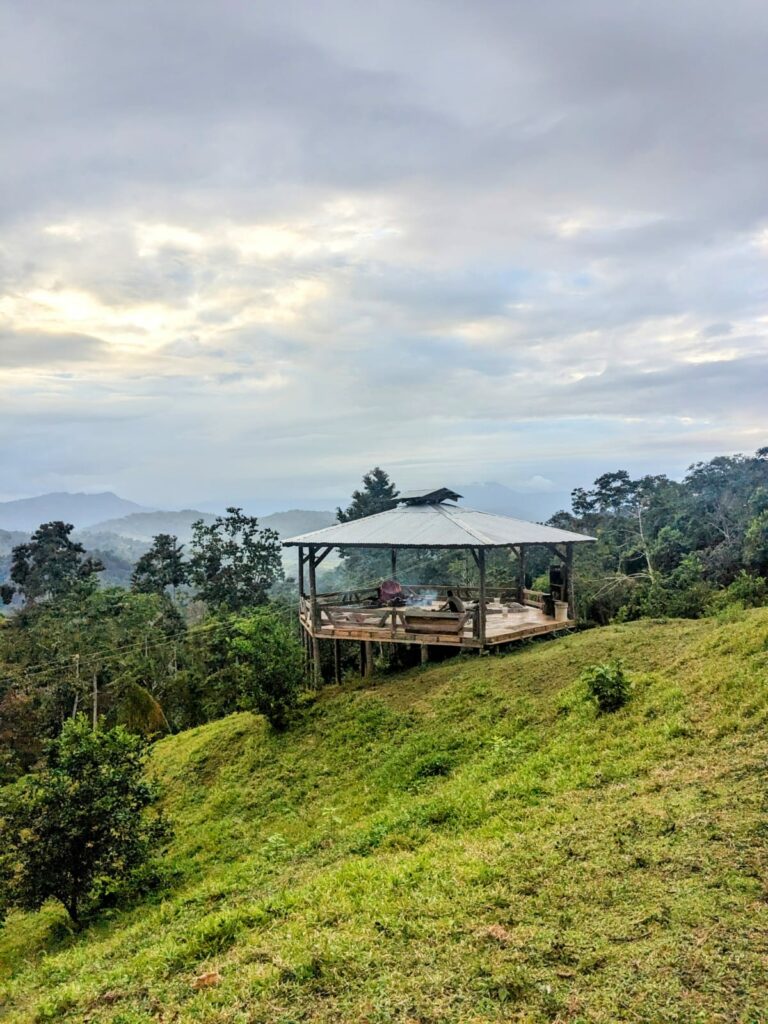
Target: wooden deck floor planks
500 629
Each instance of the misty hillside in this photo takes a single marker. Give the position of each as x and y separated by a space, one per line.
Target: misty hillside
9 539
82 510
120 542
143 526
296 520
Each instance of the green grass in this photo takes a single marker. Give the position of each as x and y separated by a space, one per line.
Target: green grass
467 842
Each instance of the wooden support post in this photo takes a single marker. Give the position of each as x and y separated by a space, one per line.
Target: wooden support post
424 654
362 658
337 661
481 601
521 574
317 676
368 657
314 618
569 581
393 557
301 573
313 590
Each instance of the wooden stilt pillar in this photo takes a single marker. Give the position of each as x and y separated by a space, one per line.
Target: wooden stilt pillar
569 581
424 654
317 676
393 557
362 658
368 657
313 613
482 611
300 578
521 574
337 661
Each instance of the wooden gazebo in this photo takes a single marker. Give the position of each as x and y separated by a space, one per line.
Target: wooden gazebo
451 615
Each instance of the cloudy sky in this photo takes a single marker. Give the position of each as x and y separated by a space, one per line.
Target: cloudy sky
250 249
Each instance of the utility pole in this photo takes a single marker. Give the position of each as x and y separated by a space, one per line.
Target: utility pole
77 685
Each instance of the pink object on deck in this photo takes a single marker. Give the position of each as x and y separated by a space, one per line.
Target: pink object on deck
390 590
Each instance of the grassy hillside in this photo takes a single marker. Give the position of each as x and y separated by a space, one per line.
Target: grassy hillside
468 842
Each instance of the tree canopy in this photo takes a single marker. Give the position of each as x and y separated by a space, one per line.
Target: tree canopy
162 567
51 564
664 547
234 561
78 831
376 495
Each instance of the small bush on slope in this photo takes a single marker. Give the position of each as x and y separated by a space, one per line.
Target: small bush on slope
558 867
607 685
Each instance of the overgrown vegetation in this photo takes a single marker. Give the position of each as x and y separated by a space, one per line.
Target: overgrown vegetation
469 842
670 548
166 655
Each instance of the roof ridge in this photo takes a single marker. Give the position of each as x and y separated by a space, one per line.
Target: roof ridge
468 529
504 515
333 526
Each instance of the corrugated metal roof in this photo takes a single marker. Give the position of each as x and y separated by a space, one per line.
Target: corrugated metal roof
435 526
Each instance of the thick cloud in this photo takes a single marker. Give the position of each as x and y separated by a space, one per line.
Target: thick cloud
45 351
249 250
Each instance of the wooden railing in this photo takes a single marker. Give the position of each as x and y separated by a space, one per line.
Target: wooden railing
358 595
347 609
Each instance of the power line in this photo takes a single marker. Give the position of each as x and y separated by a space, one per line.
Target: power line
101 657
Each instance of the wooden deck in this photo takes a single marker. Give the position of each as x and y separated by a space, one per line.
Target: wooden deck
425 623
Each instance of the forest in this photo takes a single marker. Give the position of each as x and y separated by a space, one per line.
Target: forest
210 630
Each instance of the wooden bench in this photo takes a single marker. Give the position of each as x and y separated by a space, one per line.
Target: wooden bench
344 615
421 621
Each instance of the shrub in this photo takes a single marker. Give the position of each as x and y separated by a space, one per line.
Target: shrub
270 665
682 593
607 685
78 831
752 591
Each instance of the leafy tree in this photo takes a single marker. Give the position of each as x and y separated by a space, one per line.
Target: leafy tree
756 543
377 495
234 561
79 832
270 666
161 567
51 564
627 509
682 593
662 545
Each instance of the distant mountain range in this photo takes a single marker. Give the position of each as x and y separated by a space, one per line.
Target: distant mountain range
143 526
120 531
107 513
82 510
